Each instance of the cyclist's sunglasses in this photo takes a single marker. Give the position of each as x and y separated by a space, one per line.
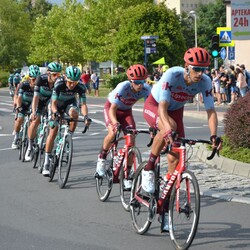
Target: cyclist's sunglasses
32 78
137 82
71 82
198 69
54 74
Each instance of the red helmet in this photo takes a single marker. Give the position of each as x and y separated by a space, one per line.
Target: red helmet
197 57
137 72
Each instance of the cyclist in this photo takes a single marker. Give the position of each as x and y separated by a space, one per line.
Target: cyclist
16 80
118 110
23 102
163 109
44 85
64 100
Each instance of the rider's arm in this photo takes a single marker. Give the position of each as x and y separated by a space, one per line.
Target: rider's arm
35 103
54 106
112 113
84 109
212 121
166 123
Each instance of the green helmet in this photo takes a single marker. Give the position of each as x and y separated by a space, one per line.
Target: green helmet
34 71
73 73
54 67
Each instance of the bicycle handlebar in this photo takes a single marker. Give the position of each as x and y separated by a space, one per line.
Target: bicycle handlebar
193 142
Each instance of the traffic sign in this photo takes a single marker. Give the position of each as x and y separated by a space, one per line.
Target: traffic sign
231 53
225 35
223 53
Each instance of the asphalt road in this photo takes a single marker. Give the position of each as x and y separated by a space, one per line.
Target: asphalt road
35 214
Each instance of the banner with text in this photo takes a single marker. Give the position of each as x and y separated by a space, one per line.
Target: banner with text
240 19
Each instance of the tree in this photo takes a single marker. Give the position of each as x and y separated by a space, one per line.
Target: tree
15 34
150 19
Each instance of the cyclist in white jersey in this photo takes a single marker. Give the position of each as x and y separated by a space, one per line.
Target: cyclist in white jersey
163 109
118 109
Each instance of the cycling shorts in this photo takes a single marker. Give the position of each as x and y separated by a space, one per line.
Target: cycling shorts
150 114
124 117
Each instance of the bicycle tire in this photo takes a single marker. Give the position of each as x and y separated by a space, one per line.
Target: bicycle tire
20 149
41 156
141 214
104 183
65 160
35 153
24 148
52 167
125 194
183 224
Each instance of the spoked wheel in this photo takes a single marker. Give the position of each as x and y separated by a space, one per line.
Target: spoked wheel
184 219
142 215
104 183
24 149
52 167
125 192
65 160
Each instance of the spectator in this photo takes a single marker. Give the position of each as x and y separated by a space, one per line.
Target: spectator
216 84
223 83
95 82
241 81
85 79
231 83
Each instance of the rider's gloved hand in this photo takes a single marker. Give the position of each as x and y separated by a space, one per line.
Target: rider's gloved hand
170 136
116 127
216 142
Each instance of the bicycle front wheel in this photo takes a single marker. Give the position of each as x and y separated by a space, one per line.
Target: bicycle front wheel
41 156
140 208
125 192
65 160
104 183
184 215
35 154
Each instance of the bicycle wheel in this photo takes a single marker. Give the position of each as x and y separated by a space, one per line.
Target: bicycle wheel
125 192
35 153
142 215
19 149
183 221
104 183
65 159
41 156
52 167
24 148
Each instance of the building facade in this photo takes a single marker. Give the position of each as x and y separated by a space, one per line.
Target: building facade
183 5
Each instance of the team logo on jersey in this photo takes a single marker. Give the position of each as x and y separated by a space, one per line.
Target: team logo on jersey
166 86
181 96
128 102
209 93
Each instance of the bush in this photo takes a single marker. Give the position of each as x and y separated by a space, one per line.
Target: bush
112 81
237 123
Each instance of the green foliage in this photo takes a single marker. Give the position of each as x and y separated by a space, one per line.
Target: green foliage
239 154
237 120
128 46
4 78
209 17
112 81
15 34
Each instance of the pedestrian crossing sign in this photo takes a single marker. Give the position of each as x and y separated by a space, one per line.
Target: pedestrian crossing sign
225 35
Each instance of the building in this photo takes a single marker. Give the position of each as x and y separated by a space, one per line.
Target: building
183 5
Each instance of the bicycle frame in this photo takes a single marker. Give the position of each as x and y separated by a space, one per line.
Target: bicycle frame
122 154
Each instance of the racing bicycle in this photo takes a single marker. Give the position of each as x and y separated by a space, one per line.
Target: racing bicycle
176 197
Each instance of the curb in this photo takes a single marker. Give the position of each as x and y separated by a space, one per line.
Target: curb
224 164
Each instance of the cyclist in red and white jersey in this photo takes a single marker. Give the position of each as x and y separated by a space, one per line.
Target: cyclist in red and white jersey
118 109
163 109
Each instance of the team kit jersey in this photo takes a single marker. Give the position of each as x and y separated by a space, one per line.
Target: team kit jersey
125 98
173 89
65 97
42 89
26 92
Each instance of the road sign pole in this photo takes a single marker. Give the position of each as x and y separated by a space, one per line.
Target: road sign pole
145 54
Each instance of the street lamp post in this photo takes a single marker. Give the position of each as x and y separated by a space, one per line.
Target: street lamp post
193 14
